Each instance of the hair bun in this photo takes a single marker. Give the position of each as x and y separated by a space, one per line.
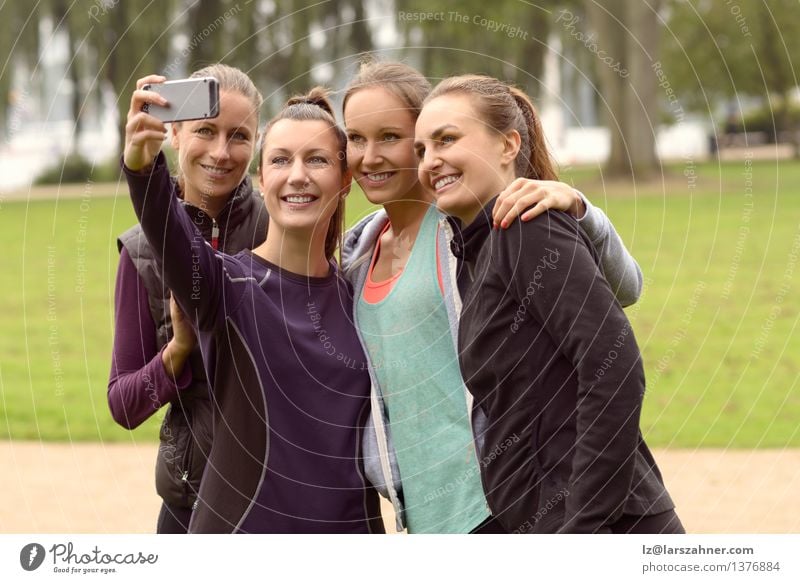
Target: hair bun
317 96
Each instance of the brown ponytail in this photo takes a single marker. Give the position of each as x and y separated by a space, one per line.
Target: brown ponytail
317 96
535 162
504 108
315 106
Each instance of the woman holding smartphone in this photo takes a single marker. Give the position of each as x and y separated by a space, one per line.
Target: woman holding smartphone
544 346
425 446
290 392
156 360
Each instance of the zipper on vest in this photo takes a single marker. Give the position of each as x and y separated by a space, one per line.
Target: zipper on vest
214 234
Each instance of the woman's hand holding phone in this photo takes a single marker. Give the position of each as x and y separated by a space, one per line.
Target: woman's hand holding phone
144 134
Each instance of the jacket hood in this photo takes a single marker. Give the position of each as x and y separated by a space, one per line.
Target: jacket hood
360 239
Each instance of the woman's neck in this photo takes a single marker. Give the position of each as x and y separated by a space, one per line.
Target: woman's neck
406 215
211 205
468 215
295 251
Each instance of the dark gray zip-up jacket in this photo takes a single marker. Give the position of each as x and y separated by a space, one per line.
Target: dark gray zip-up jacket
550 357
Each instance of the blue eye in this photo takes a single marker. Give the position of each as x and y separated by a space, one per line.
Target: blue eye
279 161
318 161
390 137
447 139
356 141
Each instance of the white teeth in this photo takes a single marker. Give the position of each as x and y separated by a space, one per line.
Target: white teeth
217 171
299 199
442 182
379 177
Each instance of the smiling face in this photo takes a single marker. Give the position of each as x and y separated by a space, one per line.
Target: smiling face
301 175
462 160
380 150
214 154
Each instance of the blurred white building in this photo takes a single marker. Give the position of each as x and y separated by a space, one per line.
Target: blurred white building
575 132
41 131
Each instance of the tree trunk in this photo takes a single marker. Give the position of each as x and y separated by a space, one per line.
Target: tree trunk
641 104
77 94
627 81
206 33
531 54
360 36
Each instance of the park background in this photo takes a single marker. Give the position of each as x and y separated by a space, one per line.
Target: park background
681 119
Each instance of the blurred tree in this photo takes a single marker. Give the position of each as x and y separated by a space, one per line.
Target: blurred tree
470 38
76 25
204 25
627 33
284 44
132 40
299 37
721 51
19 44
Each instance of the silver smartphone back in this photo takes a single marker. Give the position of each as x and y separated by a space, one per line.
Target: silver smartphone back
188 99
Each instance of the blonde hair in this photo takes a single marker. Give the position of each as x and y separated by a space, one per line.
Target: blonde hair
399 79
233 80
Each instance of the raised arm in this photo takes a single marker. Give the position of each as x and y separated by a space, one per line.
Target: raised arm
191 269
573 301
531 198
139 384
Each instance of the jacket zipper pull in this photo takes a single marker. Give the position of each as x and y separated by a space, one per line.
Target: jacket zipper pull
214 234
185 476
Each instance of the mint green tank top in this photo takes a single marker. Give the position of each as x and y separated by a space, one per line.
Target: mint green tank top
408 339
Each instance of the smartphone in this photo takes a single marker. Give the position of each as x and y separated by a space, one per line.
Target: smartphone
188 99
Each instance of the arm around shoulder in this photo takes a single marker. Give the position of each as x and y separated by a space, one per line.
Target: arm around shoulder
619 267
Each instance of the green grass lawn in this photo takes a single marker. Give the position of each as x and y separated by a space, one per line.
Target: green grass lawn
718 245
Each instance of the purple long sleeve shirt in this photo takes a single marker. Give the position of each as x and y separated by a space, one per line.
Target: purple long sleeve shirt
138 385
289 381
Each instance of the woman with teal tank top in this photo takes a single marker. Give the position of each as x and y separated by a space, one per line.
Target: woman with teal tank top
423 447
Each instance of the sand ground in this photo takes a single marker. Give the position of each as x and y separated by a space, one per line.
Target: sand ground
97 488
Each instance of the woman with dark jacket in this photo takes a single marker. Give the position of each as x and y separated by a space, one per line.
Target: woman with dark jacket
422 449
156 360
545 348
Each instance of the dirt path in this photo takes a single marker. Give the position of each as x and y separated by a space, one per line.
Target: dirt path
96 488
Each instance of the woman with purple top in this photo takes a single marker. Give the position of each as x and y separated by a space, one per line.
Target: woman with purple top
156 360
290 389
